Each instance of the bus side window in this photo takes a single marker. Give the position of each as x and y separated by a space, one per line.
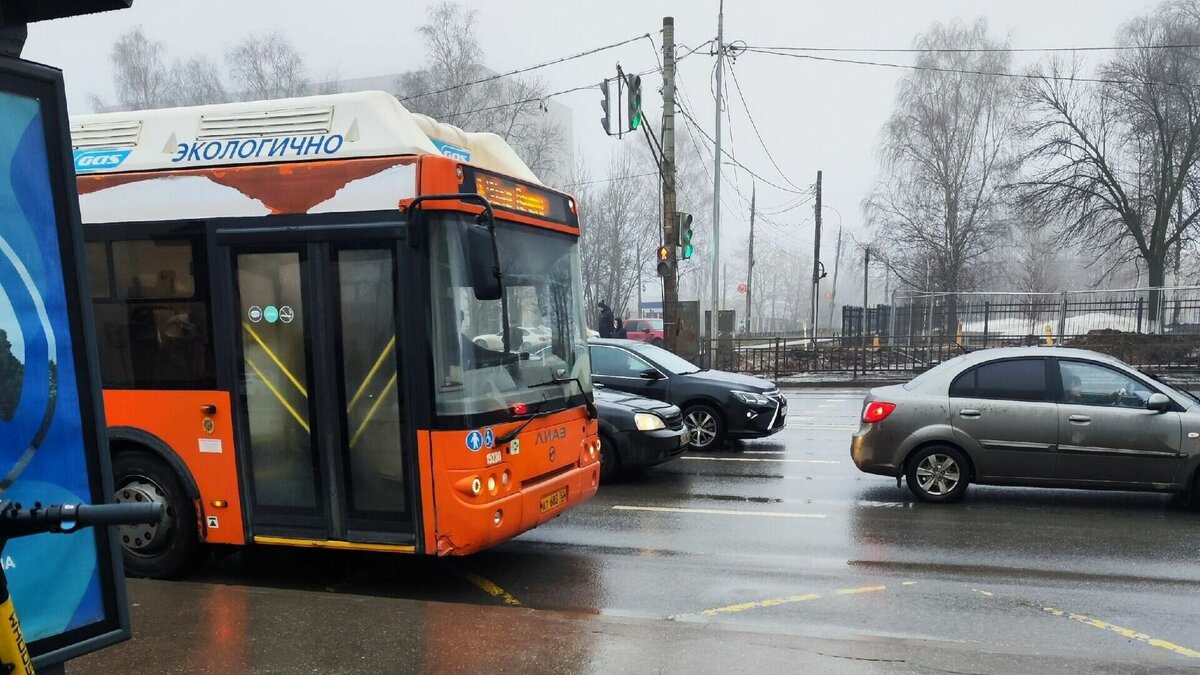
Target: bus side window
154 333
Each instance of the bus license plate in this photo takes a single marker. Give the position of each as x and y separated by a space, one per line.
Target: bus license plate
554 500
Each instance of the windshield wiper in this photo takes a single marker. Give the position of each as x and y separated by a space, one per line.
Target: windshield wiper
591 407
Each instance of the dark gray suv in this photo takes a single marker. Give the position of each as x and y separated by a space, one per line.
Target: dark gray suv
1035 416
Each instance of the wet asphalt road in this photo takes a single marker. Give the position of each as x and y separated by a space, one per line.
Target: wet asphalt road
784 536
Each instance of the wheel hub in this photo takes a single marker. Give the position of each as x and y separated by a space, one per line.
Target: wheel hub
144 538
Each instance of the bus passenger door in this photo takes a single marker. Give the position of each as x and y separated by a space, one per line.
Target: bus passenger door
323 422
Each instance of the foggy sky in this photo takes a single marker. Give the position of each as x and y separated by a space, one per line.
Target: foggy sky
813 115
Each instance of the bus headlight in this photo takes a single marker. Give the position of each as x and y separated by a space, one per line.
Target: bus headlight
648 422
492 484
476 486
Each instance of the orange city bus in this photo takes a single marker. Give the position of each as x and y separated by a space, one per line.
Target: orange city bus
307 313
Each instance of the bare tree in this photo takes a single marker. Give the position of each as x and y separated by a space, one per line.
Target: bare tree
619 232
267 67
456 87
197 81
1120 159
938 209
140 78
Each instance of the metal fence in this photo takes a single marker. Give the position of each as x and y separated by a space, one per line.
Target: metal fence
1158 329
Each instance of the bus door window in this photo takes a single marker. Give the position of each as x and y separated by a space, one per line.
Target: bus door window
373 421
275 367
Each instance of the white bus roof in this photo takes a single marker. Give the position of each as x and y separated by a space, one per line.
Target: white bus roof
361 124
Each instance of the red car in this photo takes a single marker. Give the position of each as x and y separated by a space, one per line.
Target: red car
645 330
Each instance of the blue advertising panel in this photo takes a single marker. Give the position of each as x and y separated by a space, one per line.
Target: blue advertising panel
65 587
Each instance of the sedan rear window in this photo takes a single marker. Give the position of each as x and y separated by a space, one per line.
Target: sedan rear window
1011 380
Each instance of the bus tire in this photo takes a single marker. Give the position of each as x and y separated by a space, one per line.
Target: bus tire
166 550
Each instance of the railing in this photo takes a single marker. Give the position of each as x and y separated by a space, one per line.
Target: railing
1162 336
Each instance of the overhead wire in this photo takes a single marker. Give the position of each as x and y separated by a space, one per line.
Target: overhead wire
754 125
968 71
527 69
535 99
976 50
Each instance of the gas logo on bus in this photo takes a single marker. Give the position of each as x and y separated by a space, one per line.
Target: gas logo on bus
96 160
452 151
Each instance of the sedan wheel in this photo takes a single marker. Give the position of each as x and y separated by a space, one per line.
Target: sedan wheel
938 474
705 425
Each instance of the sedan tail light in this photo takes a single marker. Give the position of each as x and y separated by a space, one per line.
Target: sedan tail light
877 411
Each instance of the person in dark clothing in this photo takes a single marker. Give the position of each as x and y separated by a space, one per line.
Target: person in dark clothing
619 331
604 324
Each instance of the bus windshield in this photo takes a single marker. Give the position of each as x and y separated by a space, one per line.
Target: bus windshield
474 375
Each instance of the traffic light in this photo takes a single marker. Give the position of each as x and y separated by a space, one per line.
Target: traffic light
635 101
604 104
683 229
664 261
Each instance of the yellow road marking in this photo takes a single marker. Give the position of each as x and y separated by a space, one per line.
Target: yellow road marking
1125 632
718 512
493 590
774 602
864 589
271 355
278 395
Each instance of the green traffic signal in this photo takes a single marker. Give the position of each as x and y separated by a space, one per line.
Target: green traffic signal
635 101
683 228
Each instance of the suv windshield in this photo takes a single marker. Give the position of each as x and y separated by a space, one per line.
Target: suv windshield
547 339
677 365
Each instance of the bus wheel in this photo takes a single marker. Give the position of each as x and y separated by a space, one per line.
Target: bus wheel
165 550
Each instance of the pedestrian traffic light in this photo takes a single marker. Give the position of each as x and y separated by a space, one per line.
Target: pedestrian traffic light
604 104
664 261
683 229
635 101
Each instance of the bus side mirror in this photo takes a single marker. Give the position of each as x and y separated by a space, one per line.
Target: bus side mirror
483 264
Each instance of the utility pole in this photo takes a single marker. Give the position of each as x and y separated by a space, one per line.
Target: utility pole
716 231
724 283
816 275
837 262
639 279
670 236
866 285
750 265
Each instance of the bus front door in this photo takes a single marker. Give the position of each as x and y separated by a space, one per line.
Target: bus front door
322 416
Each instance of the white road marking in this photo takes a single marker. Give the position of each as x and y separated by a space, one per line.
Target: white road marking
756 459
717 512
825 427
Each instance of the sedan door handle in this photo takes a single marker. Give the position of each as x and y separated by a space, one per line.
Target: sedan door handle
1080 419
969 412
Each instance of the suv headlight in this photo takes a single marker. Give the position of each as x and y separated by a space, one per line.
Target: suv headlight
751 398
648 422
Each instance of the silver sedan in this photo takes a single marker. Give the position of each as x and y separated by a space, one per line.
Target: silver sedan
1034 416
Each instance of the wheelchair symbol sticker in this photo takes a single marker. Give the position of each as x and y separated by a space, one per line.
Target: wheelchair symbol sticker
489 438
